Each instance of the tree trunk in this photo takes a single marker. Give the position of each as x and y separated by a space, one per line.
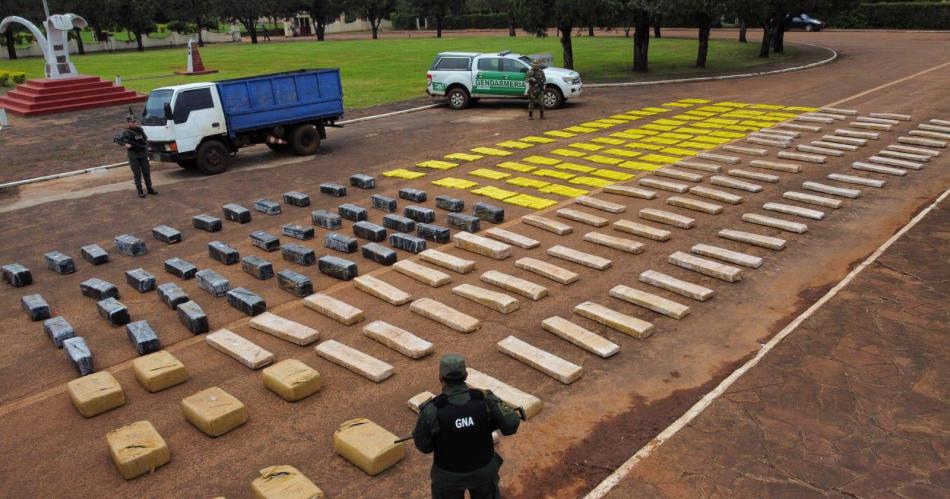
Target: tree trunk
321 31
766 39
656 28
704 24
778 39
11 43
742 31
252 29
511 24
201 41
567 47
138 41
79 46
438 26
641 46
626 31
374 24
590 31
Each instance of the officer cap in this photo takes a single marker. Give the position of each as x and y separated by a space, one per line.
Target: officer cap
452 367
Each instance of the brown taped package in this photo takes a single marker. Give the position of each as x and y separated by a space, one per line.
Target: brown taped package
284 482
158 371
292 379
137 449
214 411
95 393
367 446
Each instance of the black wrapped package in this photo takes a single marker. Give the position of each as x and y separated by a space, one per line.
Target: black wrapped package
352 212
206 223
468 223
193 317
407 242
128 244
363 181
60 263
295 283
79 355
419 213
337 267
257 267
172 294
399 223
167 234
267 207
58 330
246 301
449 203
265 240
379 253
212 282
432 232
35 306
340 242
414 195
16 275
295 198
141 280
113 311
223 253
180 268
383 203
301 255
335 190
489 212
234 212
94 254
300 232
326 219
143 337
370 231
98 289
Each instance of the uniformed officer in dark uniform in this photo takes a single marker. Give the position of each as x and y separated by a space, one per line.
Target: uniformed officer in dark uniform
457 425
133 138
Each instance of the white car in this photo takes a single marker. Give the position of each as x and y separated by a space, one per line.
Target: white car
463 77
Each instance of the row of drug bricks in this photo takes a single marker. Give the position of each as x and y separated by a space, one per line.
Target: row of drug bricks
385 453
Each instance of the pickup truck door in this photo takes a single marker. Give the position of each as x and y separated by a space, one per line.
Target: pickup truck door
196 114
497 76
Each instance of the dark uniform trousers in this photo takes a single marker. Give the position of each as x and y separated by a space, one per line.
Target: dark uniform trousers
140 171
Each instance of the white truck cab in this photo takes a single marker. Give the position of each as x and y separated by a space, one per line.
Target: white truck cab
463 77
196 114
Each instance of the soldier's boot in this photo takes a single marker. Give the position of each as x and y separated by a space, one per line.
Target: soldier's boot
140 191
541 110
151 191
530 114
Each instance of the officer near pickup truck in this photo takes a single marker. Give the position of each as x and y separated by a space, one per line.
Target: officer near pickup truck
536 81
136 145
457 425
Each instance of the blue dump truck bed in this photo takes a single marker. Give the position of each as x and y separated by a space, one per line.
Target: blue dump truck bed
266 101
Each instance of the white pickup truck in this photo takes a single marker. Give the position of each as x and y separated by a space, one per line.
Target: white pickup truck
464 77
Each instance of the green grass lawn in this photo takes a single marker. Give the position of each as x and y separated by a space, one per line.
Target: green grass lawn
386 70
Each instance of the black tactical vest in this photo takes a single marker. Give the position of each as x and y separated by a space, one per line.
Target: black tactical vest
464 441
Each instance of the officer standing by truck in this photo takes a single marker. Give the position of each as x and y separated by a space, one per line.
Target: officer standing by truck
457 425
536 81
136 145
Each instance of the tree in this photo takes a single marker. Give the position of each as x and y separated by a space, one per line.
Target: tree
702 12
373 11
323 12
438 9
247 12
24 9
137 17
188 11
537 15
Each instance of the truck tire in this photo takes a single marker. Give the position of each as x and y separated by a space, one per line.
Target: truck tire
213 157
458 98
305 140
188 164
552 97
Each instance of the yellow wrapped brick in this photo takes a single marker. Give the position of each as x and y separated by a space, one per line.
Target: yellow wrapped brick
284 482
367 446
291 379
158 371
96 393
137 449
214 411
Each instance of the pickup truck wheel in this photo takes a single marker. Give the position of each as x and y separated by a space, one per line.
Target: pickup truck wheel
458 98
305 140
213 157
552 98
188 164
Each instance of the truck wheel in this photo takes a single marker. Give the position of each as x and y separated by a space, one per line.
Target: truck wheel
213 157
458 98
305 140
552 98
188 164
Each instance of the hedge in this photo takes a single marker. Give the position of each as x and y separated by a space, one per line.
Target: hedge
903 15
468 21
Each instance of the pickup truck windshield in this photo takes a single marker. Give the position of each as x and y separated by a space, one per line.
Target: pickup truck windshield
155 107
